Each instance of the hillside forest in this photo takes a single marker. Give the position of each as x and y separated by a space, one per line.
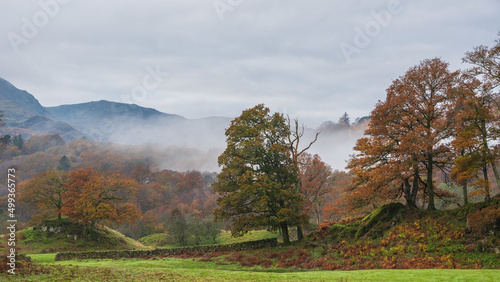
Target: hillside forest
431 144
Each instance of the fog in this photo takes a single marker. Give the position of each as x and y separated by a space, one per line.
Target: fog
196 144
335 143
179 144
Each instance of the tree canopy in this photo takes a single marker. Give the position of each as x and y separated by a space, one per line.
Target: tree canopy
258 177
46 190
94 197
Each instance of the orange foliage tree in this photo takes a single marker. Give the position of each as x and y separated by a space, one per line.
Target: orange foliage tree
406 135
479 117
316 180
93 197
477 129
46 190
335 207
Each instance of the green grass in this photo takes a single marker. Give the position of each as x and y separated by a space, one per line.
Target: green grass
194 270
160 240
34 241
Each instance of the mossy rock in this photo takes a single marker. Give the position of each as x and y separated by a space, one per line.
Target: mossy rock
336 228
382 214
340 232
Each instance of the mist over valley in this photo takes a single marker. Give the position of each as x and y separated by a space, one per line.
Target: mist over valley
169 140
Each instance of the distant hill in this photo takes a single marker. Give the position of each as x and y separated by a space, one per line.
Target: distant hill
24 115
131 124
107 122
19 104
79 114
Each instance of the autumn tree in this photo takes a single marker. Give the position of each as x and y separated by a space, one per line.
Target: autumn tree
94 197
486 62
316 180
407 133
335 207
188 185
386 162
479 105
477 129
46 190
141 174
257 181
40 143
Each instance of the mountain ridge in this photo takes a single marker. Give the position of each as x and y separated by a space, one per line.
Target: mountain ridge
105 121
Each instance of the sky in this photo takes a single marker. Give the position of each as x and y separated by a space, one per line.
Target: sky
310 59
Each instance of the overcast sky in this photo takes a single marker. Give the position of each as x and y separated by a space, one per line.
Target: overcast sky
312 59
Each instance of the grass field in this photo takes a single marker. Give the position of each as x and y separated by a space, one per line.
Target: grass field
159 240
195 270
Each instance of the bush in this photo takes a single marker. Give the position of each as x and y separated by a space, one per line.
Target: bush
485 220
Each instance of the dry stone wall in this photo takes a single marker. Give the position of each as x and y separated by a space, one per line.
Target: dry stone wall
167 252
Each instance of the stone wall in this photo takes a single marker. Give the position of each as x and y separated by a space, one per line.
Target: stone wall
167 252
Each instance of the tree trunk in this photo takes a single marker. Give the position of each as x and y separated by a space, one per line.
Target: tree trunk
487 183
495 172
300 233
414 191
407 192
430 166
466 196
286 237
59 218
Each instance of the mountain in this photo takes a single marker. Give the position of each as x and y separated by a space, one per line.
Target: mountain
131 124
95 111
19 104
24 115
107 121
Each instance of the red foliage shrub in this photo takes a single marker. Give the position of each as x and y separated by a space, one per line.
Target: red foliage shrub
273 255
484 220
288 259
236 257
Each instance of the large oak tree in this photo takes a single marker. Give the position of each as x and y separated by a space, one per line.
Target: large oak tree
94 197
46 190
258 177
407 134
